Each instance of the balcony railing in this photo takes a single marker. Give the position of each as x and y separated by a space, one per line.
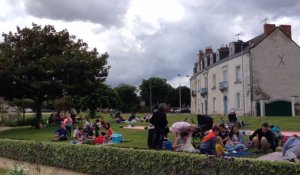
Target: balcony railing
194 93
203 91
223 85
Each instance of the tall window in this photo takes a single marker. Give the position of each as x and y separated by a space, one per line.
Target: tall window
225 75
238 76
214 81
214 105
205 81
238 100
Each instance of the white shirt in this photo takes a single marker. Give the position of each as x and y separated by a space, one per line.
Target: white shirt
179 127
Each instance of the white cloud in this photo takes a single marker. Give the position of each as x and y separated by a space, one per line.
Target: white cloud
151 37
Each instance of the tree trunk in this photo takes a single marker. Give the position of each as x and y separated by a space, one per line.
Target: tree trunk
92 113
23 113
38 115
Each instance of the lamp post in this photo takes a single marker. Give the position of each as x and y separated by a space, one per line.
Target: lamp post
179 76
150 97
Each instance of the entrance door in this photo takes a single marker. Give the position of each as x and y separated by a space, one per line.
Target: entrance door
279 108
225 105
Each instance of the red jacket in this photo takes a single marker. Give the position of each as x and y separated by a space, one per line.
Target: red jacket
209 136
100 140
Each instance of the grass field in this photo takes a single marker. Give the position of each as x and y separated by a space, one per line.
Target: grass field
138 138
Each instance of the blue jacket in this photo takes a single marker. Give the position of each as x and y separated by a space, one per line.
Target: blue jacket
62 132
290 143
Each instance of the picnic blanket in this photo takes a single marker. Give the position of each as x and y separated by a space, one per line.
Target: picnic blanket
136 127
275 156
239 154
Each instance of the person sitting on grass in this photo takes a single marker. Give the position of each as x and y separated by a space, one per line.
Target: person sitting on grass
235 143
208 144
88 121
76 131
101 139
233 119
61 134
263 139
133 118
68 122
83 137
181 144
180 141
95 130
224 133
100 122
109 131
291 149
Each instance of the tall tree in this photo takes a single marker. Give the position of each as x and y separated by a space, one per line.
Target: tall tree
101 96
40 63
185 96
160 89
128 97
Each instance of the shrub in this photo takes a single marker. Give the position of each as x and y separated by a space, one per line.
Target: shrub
111 160
18 122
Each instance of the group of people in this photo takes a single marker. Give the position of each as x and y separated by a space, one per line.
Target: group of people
221 139
58 117
89 133
218 141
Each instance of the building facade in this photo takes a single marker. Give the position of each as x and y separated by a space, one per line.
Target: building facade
257 77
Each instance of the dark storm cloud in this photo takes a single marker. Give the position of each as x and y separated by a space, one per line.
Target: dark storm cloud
105 12
173 49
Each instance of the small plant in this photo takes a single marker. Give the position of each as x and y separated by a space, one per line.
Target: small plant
16 171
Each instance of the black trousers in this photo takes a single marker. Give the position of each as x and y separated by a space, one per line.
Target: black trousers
158 138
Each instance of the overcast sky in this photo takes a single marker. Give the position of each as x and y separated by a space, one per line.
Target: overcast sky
152 37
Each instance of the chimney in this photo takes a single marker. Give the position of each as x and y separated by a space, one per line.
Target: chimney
287 29
268 28
200 55
208 50
223 52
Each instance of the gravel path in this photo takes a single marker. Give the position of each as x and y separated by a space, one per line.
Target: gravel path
8 164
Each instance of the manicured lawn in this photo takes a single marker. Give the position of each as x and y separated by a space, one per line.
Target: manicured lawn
138 138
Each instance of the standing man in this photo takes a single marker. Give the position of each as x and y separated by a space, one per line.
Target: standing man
73 115
159 121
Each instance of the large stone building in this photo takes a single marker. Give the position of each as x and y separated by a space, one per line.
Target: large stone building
257 77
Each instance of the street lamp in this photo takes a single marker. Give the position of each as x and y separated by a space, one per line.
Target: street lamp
150 97
179 76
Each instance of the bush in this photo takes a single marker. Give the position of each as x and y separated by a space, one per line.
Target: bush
19 122
111 160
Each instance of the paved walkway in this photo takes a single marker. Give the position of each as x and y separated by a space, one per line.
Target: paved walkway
275 156
9 164
3 128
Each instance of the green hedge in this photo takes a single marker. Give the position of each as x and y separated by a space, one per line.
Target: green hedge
110 160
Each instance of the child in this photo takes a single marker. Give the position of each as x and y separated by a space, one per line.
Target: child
109 131
219 147
180 141
208 143
102 122
101 139
61 134
76 131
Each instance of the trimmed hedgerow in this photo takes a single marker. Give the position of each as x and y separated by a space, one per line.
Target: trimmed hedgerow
111 160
